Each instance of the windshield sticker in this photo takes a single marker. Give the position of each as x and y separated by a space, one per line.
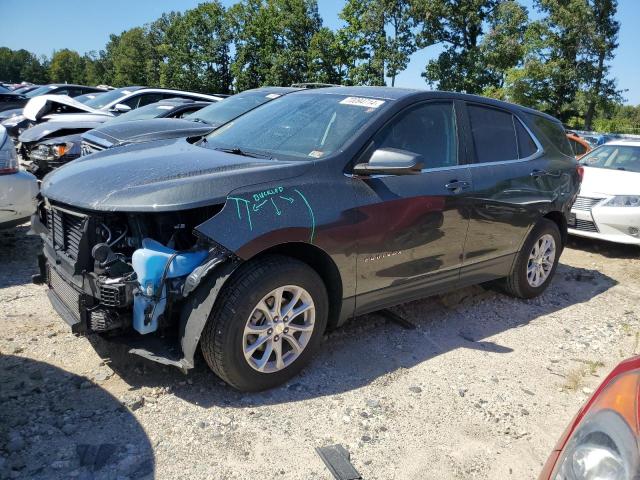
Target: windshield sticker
362 102
273 95
273 201
316 153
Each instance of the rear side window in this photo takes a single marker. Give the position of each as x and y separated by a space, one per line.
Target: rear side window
554 131
493 133
526 145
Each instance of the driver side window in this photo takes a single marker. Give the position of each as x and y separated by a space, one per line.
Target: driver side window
428 129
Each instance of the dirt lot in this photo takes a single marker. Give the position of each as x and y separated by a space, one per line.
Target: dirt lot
481 389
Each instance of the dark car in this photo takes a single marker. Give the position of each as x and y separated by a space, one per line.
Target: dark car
298 215
25 89
10 100
51 89
194 125
52 144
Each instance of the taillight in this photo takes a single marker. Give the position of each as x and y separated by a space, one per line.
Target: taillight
8 156
604 443
580 170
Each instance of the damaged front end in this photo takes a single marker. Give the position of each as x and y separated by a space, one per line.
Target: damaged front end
128 275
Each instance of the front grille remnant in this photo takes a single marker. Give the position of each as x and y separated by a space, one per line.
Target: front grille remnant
65 292
65 230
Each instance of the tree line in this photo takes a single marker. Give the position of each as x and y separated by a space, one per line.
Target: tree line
554 58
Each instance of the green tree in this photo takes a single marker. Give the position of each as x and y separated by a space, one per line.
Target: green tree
458 26
502 47
365 41
327 58
400 42
603 40
272 39
128 55
21 65
66 66
197 50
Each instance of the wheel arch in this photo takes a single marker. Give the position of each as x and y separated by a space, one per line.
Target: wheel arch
322 263
560 220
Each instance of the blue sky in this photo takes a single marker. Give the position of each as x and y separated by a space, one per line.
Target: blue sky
42 26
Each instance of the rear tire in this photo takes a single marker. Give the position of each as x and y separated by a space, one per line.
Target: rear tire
536 263
249 341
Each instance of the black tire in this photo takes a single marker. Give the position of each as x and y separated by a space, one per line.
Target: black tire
516 284
222 337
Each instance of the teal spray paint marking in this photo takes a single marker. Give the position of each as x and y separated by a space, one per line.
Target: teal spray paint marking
257 206
278 212
288 199
246 205
313 218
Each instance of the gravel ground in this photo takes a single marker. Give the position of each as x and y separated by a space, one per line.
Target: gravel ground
482 388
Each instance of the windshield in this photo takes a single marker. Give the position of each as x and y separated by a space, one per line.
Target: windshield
40 91
108 97
4 90
302 125
154 110
614 157
232 107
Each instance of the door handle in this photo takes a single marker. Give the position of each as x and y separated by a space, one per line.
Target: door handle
539 173
456 185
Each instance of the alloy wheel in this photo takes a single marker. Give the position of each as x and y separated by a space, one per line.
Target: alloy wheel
541 260
278 329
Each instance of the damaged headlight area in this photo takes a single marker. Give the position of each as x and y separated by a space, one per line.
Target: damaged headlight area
123 272
52 152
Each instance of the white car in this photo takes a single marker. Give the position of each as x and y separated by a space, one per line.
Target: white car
608 205
18 189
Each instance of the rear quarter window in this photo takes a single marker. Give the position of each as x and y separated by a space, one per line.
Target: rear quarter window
554 132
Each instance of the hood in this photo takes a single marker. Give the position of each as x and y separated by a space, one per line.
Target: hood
137 131
13 112
168 175
38 107
57 128
603 181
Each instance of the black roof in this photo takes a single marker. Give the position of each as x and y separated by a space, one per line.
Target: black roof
396 93
181 101
280 90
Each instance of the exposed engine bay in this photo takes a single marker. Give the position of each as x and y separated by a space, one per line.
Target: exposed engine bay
119 272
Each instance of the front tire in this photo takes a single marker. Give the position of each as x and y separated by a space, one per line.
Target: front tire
536 263
266 324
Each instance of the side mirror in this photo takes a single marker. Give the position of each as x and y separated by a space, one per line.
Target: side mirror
391 161
121 108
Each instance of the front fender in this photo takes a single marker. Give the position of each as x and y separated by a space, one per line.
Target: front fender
254 220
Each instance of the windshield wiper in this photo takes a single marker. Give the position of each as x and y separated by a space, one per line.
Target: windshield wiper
244 153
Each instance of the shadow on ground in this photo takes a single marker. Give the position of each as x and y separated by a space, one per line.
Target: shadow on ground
18 256
607 249
54 424
370 347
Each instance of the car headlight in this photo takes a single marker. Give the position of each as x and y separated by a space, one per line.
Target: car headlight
50 151
604 445
623 201
13 121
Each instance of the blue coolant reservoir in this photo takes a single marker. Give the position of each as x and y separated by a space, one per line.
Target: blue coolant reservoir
149 263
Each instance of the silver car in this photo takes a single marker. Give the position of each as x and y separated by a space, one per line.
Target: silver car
18 189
